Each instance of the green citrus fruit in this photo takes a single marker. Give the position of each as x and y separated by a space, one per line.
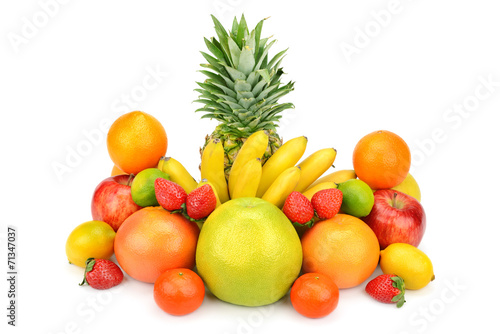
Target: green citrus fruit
91 239
248 252
143 186
357 198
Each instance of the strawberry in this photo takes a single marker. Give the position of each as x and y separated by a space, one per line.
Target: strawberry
101 274
327 202
201 202
298 208
387 289
169 194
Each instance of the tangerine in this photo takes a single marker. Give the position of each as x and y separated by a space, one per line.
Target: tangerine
342 247
179 291
136 141
153 240
314 295
381 159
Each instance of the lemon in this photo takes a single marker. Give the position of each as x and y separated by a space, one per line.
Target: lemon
409 186
409 263
143 186
91 239
357 198
248 252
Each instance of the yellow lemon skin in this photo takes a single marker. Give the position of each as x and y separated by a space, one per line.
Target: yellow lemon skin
90 239
409 263
409 186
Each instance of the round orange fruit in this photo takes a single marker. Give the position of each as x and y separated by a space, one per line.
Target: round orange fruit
314 295
381 159
179 291
342 247
153 240
136 141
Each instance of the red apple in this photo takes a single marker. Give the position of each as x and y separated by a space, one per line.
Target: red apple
396 217
112 200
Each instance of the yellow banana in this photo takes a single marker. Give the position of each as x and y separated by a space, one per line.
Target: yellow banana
309 193
179 174
160 164
205 181
284 184
315 165
212 168
254 147
337 177
248 180
285 157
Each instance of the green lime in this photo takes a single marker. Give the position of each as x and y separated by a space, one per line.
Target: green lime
143 186
357 198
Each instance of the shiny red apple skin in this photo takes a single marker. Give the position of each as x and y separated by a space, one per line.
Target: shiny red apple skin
396 217
112 200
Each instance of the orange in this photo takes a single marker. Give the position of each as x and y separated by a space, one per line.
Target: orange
136 141
179 291
153 240
342 247
381 159
116 171
314 295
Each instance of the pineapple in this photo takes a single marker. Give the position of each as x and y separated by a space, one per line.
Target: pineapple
242 88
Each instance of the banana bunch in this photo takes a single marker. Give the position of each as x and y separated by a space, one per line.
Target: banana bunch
280 175
274 181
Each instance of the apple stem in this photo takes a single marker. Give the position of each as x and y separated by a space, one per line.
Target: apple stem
396 204
129 179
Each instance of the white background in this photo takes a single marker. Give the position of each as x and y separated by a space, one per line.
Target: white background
71 73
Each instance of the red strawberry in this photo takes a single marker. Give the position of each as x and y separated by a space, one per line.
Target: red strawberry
387 289
169 194
327 202
298 208
102 274
201 202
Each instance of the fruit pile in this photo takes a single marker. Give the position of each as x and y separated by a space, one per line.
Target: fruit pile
258 222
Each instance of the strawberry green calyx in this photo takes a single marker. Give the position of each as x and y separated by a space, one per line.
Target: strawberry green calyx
399 284
89 265
309 223
183 211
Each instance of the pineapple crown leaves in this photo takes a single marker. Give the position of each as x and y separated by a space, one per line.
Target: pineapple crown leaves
243 85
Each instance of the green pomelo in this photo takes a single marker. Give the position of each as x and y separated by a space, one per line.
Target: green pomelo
248 252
